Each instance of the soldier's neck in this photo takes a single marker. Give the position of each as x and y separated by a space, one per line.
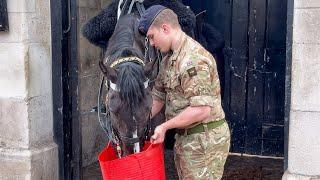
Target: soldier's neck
176 40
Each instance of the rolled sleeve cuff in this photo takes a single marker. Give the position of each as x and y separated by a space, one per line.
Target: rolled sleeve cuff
158 94
202 101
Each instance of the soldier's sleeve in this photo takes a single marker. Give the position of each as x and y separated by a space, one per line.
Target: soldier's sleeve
200 82
158 90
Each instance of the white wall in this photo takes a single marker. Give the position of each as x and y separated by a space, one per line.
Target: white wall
304 124
27 150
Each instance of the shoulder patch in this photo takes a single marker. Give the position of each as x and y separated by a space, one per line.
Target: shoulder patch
192 72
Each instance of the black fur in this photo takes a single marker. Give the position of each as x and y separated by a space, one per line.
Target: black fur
99 29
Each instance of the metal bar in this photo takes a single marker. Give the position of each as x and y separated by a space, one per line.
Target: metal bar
76 161
287 106
57 84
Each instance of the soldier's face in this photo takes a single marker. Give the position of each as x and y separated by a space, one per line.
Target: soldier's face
159 38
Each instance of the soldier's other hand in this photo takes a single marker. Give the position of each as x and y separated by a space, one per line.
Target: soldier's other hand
159 134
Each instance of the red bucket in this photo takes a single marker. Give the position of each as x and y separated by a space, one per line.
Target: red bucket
146 165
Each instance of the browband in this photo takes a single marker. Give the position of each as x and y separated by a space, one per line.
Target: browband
127 59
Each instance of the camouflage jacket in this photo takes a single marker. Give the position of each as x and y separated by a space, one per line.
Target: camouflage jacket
189 77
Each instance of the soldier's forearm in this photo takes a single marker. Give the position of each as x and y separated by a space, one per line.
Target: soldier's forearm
187 117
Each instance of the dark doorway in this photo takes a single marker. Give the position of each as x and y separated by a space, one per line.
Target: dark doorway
254 65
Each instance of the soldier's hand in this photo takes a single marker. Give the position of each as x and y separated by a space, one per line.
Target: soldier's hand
159 134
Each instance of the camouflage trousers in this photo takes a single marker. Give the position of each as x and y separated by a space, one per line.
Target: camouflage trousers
202 155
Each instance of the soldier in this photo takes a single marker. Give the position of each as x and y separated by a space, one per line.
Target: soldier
188 85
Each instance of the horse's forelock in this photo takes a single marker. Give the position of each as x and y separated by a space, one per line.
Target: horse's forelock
130 82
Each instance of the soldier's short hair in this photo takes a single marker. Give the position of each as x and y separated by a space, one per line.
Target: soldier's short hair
166 16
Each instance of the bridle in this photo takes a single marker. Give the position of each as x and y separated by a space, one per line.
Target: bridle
119 61
112 133
115 135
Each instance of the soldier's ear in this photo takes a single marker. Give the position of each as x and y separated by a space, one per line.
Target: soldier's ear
165 28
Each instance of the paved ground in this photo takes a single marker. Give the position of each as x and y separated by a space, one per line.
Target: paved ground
243 168
237 168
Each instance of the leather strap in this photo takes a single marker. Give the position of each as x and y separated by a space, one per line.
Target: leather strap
200 127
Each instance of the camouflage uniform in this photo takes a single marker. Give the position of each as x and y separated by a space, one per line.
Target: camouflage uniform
188 77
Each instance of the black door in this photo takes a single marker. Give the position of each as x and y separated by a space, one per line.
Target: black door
254 79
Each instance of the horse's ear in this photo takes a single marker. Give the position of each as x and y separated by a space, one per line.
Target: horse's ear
109 72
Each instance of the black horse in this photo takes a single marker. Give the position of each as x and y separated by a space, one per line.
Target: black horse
129 69
129 101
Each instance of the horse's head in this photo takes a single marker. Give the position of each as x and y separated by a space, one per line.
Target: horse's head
129 98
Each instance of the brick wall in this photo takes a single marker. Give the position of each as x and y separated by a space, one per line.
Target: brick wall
27 150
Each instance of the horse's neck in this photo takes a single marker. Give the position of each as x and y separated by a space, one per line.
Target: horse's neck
122 38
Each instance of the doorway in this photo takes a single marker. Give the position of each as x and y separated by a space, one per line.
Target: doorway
254 78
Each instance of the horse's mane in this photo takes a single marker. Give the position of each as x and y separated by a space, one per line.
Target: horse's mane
123 37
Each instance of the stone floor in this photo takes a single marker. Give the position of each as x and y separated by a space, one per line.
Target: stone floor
237 168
